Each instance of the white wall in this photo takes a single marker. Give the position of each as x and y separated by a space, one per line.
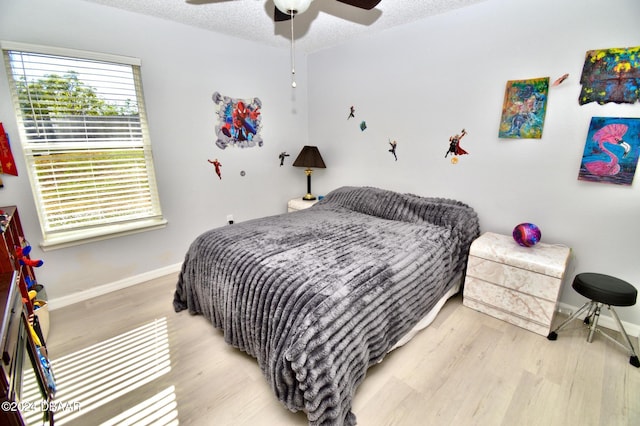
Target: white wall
422 83
181 68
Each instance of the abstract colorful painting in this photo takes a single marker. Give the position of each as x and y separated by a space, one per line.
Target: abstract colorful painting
611 75
524 108
238 121
611 150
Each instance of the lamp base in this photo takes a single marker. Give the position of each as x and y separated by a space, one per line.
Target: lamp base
309 196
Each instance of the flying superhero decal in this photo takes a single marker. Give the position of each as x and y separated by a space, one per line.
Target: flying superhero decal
455 148
217 166
239 121
282 156
394 145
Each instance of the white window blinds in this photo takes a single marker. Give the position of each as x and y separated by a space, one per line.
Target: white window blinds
85 139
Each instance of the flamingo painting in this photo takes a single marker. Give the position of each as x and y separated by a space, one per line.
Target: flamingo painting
603 160
612 134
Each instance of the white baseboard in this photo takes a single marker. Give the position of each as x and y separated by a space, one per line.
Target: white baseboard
605 320
81 296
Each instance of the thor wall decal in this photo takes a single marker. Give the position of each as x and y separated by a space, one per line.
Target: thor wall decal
239 121
611 150
611 75
524 108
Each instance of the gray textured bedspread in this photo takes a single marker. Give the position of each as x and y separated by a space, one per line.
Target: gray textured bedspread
319 295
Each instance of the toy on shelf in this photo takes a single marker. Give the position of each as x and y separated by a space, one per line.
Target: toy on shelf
22 253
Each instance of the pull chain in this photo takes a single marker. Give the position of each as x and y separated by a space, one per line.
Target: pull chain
293 53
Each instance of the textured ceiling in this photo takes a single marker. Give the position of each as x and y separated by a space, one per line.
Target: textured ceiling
326 23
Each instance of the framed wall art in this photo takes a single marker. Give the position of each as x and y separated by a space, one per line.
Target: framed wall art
611 150
524 108
611 75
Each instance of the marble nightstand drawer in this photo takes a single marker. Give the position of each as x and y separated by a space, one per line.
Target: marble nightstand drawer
516 284
521 309
518 279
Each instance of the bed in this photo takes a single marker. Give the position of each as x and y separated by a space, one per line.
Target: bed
319 295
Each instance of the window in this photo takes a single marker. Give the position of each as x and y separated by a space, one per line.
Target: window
85 140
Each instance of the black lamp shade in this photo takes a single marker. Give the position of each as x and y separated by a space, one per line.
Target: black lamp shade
310 157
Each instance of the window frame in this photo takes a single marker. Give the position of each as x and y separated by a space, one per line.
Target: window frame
69 236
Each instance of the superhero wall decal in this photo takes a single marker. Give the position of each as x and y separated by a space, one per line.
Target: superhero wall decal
239 121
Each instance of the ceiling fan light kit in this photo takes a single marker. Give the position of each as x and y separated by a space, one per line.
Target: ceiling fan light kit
292 7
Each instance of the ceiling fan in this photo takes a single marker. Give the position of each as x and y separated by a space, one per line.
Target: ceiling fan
287 9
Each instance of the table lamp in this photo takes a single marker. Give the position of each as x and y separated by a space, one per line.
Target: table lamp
309 157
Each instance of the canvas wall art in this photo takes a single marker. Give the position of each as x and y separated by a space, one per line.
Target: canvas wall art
611 150
611 75
239 121
524 108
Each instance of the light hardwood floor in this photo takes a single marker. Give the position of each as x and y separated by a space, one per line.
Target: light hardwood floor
127 355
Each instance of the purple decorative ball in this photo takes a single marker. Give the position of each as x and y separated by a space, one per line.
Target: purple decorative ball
527 234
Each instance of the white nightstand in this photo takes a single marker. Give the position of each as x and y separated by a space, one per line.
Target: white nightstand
296 204
516 284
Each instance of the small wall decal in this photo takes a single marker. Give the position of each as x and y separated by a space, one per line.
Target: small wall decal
352 112
394 145
363 125
282 157
454 146
560 80
217 166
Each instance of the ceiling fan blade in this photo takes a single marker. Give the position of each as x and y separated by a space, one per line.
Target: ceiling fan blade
279 15
362 4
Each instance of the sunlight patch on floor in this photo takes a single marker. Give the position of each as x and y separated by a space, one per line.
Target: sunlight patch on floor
94 376
159 410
